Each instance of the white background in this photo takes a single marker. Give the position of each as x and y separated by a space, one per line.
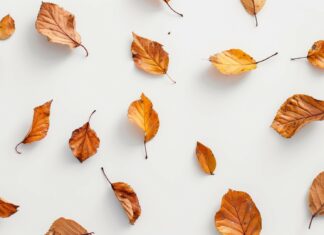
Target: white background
230 115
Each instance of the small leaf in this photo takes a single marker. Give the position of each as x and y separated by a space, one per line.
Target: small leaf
7 209
127 198
238 215
7 27
253 7
315 55
64 226
296 112
206 158
58 25
141 113
168 4
316 197
84 141
40 125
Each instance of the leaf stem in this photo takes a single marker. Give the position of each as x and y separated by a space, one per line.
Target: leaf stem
255 14
105 175
91 115
166 1
146 156
298 58
16 148
267 58
173 81
86 50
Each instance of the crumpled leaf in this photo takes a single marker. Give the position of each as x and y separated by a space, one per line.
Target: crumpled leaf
205 158
316 197
84 141
127 198
253 7
7 209
238 215
315 55
168 3
141 113
234 62
64 226
149 56
7 27
296 112
40 125
58 25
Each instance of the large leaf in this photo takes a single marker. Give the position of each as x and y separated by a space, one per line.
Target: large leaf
316 197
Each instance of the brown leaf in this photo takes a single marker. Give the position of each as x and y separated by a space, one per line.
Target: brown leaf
149 56
206 158
141 113
253 7
7 27
58 25
64 226
7 209
238 215
40 125
127 198
84 141
296 112
315 55
316 197
168 3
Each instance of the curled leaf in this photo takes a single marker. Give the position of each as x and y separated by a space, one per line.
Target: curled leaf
7 27
253 7
7 209
168 4
40 125
315 55
64 226
316 197
58 25
238 215
296 112
205 158
127 198
84 141
141 113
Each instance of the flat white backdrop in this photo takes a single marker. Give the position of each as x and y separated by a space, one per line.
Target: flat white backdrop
231 115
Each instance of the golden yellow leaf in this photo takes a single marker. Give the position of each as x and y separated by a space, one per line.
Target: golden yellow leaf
316 197
315 55
141 113
40 125
205 158
84 141
58 25
253 7
7 27
127 198
64 226
296 112
7 209
238 215
168 4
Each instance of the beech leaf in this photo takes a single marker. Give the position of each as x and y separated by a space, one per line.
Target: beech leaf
58 25
205 158
253 7
316 197
40 125
7 27
64 226
84 141
127 198
7 209
296 112
315 55
238 215
141 113
168 4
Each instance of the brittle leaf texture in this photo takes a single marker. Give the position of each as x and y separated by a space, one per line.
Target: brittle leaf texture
7 209
296 112
316 197
58 25
238 215
7 27
253 7
64 226
205 158
315 55
40 125
127 198
168 4
84 141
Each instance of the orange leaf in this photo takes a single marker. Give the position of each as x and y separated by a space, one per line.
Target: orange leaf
316 197
253 7
315 55
206 158
84 141
7 209
238 215
7 27
64 226
40 125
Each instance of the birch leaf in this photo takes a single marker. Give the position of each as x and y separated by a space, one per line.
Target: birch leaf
205 158
315 55
7 27
64 226
253 7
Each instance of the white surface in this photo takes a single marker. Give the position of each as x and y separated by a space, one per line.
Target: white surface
231 116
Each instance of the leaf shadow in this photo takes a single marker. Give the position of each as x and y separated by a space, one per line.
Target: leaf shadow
128 133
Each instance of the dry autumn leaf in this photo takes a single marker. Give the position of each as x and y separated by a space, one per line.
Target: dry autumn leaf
168 3
315 55
149 56
235 61
141 113
7 27
84 141
253 7
238 215
127 198
40 125
64 226
58 25
205 158
7 209
316 197
296 112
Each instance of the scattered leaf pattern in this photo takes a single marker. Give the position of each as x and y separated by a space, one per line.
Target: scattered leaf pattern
316 197
253 7
64 226
7 209
7 27
205 158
